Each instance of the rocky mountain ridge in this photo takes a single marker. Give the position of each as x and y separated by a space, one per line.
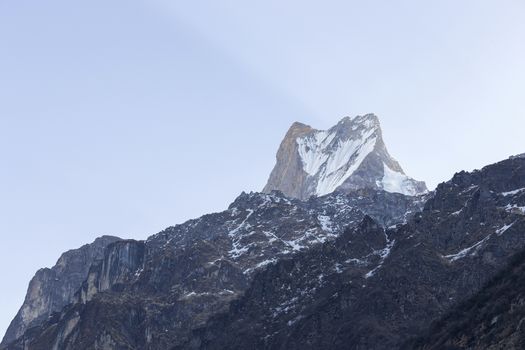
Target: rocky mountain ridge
363 266
189 272
467 232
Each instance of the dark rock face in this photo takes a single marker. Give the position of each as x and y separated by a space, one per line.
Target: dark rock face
360 270
491 319
52 289
349 156
151 294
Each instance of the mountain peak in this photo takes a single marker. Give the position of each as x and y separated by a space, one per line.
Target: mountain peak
369 118
348 156
300 126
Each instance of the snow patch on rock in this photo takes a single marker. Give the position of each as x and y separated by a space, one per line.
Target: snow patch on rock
397 182
512 193
470 251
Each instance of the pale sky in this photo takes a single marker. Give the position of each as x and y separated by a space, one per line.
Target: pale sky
124 117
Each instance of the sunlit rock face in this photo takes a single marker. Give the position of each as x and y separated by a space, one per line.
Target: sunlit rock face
52 289
350 155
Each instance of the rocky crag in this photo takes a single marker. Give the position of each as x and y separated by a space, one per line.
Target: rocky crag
52 289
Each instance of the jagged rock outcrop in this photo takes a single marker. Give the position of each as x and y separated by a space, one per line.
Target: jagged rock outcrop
151 294
351 155
52 289
121 260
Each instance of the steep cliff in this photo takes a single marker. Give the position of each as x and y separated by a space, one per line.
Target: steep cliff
52 289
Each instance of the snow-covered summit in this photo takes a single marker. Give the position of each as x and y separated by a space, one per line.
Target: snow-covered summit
350 155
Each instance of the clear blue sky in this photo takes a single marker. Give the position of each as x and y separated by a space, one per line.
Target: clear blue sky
124 117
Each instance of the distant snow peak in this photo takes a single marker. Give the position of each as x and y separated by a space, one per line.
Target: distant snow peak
351 155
